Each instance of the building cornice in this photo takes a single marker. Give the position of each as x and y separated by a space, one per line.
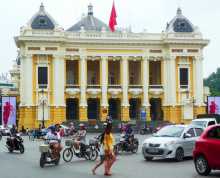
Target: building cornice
90 38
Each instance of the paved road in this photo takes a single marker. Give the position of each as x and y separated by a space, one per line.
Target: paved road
127 166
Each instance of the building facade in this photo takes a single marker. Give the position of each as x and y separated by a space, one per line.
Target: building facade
87 72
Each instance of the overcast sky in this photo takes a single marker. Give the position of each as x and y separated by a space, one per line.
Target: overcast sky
139 14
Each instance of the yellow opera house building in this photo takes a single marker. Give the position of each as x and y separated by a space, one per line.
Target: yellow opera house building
86 72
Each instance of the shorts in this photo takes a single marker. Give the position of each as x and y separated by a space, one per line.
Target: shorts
102 158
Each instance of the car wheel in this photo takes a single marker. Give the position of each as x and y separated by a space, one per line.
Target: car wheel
147 158
201 165
179 155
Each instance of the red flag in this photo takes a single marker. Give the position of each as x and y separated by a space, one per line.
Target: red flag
112 20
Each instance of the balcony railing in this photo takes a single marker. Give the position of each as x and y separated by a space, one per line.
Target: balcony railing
72 86
156 86
93 86
135 86
184 86
43 86
114 86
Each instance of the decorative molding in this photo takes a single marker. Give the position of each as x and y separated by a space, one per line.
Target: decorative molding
114 92
135 91
72 91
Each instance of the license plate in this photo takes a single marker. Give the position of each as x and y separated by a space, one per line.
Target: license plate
153 150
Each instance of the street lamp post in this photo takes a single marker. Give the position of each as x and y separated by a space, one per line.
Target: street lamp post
42 92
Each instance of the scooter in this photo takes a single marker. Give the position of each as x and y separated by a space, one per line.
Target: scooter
47 156
94 145
123 145
84 151
15 143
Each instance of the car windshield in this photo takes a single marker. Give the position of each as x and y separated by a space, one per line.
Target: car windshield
199 123
170 131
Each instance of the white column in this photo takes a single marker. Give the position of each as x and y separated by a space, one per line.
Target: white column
58 75
124 64
22 80
145 81
198 80
171 81
104 64
27 77
166 85
83 81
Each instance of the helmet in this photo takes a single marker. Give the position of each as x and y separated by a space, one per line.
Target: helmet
109 119
71 123
82 126
105 124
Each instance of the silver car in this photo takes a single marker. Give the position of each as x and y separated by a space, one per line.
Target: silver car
174 141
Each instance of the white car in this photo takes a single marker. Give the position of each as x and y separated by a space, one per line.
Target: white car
204 122
173 141
5 131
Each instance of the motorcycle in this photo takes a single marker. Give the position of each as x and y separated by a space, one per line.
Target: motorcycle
126 145
94 145
85 151
47 156
15 143
146 130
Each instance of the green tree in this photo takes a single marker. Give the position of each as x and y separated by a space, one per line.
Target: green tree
213 82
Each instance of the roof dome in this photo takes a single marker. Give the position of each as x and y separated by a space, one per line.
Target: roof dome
89 23
180 24
42 20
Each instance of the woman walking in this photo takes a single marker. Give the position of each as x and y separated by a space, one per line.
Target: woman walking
108 149
101 153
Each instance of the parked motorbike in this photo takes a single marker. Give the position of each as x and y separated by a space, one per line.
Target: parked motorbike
15 143
85 151
46 155
126 145
94 145
146 130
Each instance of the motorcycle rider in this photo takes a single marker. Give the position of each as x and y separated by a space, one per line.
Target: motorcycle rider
13 132
128 134
72 129
54 141
80 138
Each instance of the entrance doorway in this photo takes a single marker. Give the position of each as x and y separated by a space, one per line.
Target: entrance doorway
115 108
93 109
156 111
72 109
135 108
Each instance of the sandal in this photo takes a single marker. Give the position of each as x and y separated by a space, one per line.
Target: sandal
93 172
107 174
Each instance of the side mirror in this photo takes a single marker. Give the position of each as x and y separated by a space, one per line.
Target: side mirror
187 135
